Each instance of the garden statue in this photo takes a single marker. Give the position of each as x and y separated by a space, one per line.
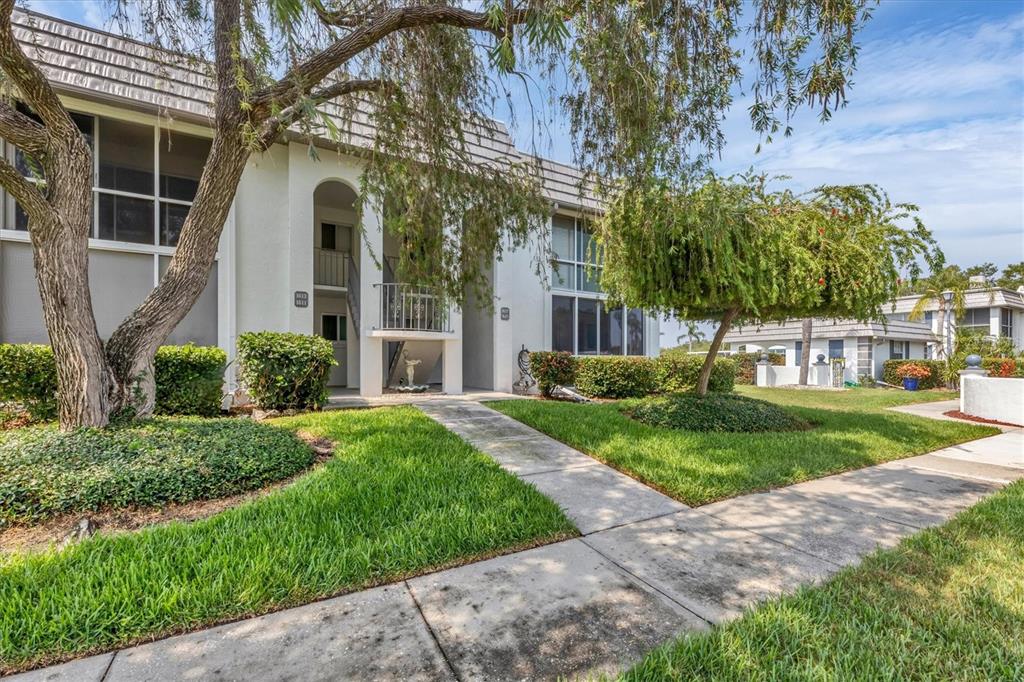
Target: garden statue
410 369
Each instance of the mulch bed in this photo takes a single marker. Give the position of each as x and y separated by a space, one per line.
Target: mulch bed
957 414
53 532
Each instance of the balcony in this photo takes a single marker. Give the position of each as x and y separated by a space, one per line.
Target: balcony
330 268
411 310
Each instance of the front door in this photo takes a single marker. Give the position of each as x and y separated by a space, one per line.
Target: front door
333 327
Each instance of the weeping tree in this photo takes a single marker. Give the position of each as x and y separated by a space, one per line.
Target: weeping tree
647 84
731 250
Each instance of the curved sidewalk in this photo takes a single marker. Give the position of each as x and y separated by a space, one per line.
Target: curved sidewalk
646 569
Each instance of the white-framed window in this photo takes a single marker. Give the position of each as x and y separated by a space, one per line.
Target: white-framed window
588 326
899 350
144 179
573 249
835 349
1006 322
334 327
975 319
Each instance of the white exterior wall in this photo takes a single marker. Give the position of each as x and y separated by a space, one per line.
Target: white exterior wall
261 239
1001 399
529 304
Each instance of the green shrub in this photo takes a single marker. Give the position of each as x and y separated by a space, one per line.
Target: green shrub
44 472
746 365
1003 367
285 371
28 377
615 376
718 412
552 368
934 379
189 379
676 373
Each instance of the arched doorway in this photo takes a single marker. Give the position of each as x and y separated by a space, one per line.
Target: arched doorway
335 263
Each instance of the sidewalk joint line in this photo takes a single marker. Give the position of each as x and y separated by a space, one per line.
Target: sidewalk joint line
651 586
433 635
110 664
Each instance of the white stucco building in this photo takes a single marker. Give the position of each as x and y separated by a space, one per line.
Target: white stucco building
291 257
864 348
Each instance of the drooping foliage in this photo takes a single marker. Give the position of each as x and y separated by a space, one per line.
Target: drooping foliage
410 86
733 243
733 250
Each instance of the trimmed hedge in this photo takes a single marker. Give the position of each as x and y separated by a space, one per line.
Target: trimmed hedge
937 368
676 373
44 472
615 376
284 371
189 379
715 412
28 377
746 365
552 368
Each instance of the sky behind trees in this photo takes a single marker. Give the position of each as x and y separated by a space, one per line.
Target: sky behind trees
935 116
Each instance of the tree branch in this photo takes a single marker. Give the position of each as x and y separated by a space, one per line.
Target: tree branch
227 51
275 125
21 131
303 77
32 85
25 193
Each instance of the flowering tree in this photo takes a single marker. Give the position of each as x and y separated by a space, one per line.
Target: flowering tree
731 250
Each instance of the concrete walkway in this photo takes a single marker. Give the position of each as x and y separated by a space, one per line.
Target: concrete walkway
646 569
938 409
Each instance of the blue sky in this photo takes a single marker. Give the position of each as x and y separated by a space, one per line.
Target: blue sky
936 117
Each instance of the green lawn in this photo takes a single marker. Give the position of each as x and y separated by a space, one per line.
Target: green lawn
402 496
852 430
947 603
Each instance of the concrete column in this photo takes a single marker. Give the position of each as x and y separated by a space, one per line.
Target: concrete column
451 365
300 240
371 349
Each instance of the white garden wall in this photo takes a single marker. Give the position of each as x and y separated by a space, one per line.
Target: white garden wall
779 375
993 398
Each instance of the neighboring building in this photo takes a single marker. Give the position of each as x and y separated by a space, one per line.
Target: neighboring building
292 257
862 347
991 311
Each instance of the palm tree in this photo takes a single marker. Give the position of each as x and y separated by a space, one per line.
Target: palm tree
948 291
805 349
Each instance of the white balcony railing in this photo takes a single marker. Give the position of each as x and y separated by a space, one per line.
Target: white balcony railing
408 307
330 268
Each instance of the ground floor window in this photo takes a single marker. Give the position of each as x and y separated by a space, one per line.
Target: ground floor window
899 350
835 349
333 327
588 326
798 352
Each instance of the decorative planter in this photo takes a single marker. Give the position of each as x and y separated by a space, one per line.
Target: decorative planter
910 383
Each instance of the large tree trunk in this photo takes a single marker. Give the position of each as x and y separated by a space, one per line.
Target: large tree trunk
709 360
134 343
805 349
60 250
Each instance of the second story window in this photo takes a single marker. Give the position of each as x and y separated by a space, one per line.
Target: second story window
144 179
573 248
975 319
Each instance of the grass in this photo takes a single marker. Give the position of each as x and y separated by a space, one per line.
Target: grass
402 496
947 603
45 472
852 430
